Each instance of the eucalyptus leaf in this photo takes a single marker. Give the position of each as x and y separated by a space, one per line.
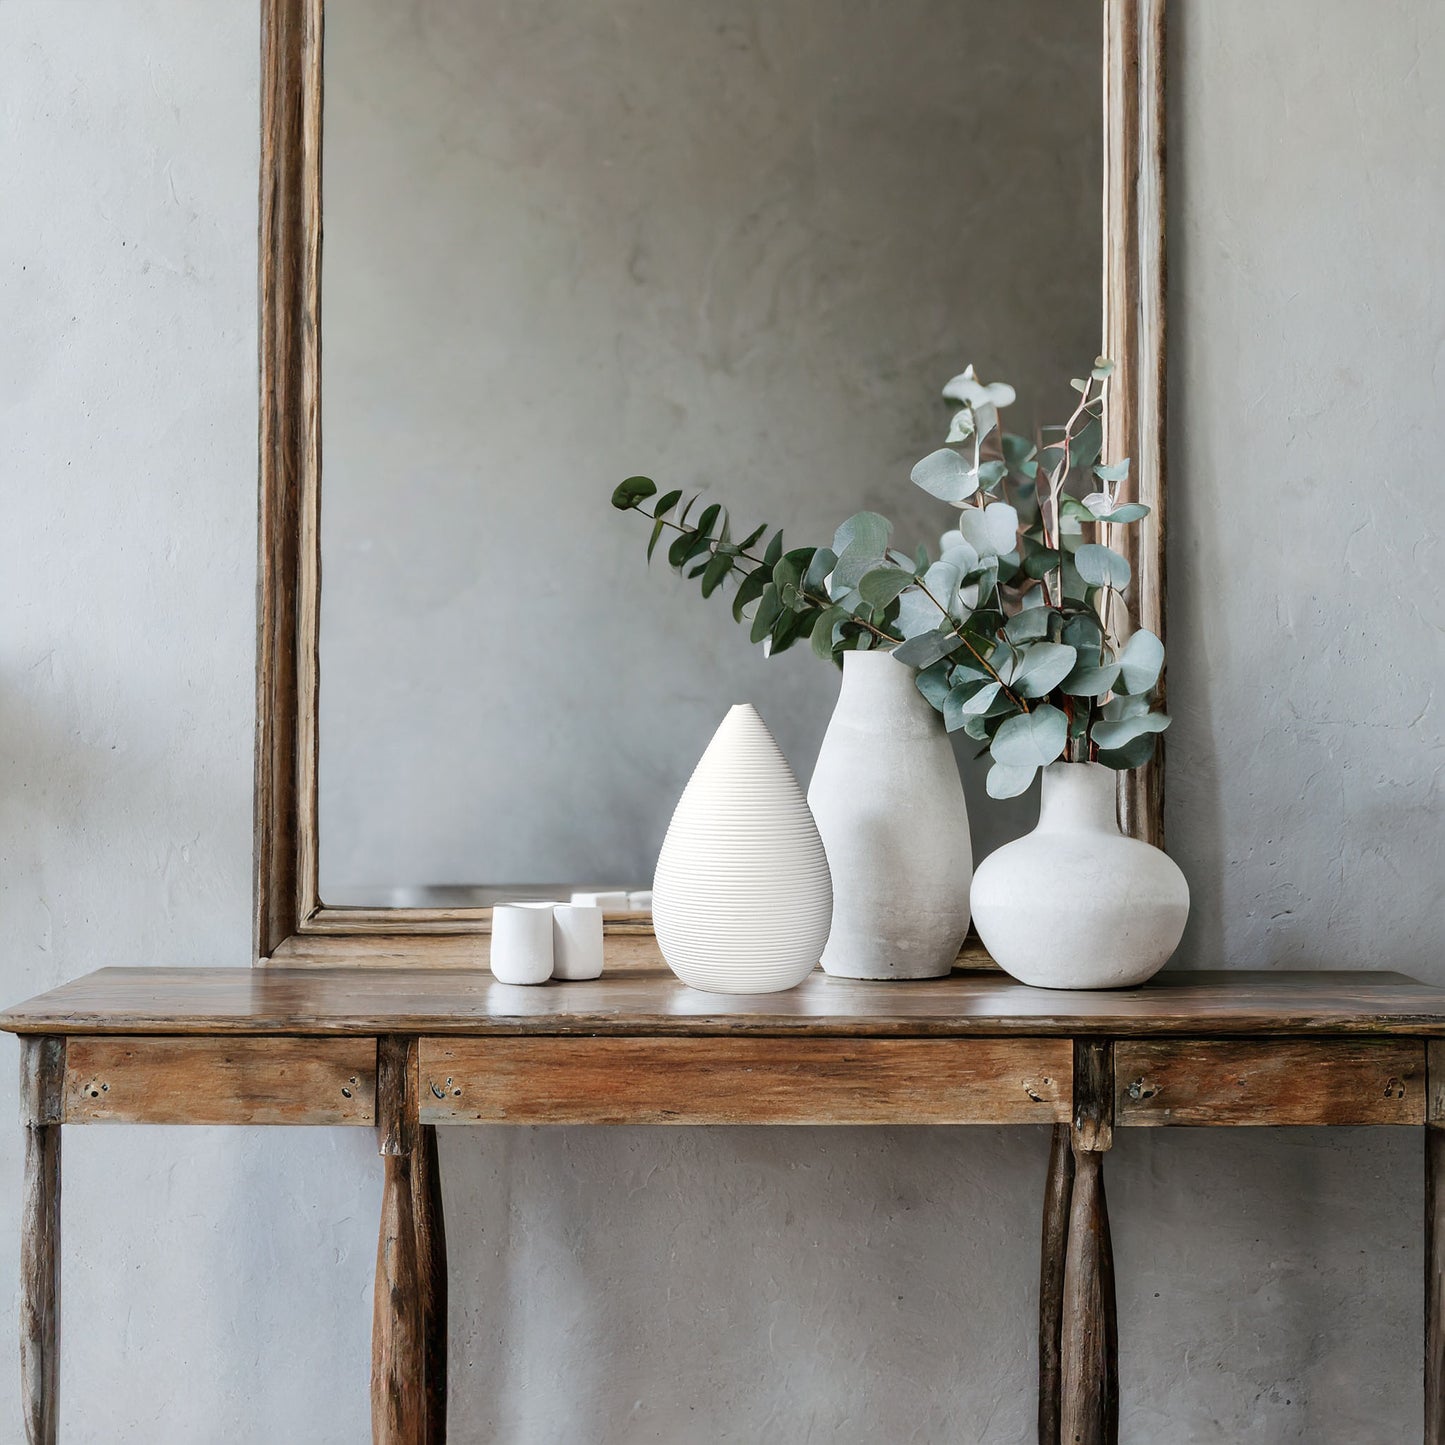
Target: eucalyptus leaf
960 428
1043 666
968 701
666 503
1133 754
989 530
770 608
925 649
822 634
749 590
945 475
1007 780
883 584
1101 566
1113 471
1032 739
1141 660
933 683
1090 681
819 569
1084 631
1084 449
775 550
1113 735
1020 453
968 389
715 573
752 538
990 474
633 492
657 530
1121 706
1029 625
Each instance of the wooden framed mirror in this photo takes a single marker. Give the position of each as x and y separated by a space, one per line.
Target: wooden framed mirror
756 221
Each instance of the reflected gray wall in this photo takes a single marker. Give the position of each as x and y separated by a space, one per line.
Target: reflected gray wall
681 1284
737 246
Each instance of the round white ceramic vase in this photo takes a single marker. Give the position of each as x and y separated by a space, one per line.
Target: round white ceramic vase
888 799
742 899
1076 904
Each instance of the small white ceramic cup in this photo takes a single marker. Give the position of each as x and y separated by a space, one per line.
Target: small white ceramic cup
640 902
576 941
522 942
611 901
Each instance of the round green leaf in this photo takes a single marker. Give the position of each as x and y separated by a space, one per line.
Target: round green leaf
880 586
633 491
1006 780
1101 566
1032 739
1141 661
1043 666
992 530
945 475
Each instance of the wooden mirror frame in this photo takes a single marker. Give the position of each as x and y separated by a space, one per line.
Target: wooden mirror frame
292 926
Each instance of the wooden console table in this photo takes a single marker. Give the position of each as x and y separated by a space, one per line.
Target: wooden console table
405 1050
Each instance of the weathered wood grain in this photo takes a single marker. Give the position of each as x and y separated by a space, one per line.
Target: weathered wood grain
1089 1344
431 1248
744 1081
289 279
1435 1244
398 1348
645 1002
42 1067
220 1081
1237 1082
1053 1254
1135 287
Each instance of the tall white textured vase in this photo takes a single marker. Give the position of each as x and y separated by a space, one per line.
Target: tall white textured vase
889 803
742 899
1076 904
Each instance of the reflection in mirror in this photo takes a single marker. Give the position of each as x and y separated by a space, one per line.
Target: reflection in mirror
736 245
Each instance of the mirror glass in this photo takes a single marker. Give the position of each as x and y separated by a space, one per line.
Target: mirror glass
737 246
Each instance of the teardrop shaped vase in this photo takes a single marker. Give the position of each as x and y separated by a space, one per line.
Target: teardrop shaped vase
742 900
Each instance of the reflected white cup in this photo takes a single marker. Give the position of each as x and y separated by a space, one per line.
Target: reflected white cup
576 941
613 900
522 942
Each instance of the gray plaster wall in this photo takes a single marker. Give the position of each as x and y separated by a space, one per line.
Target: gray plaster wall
707 1286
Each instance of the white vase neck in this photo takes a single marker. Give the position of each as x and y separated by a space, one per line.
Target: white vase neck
876 685
1078 798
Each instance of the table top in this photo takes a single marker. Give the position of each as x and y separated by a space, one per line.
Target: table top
648 1001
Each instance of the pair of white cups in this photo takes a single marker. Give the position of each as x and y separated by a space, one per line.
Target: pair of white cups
532 942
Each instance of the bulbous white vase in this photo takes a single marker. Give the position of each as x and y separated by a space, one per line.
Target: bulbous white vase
1076 904
889 803
742 899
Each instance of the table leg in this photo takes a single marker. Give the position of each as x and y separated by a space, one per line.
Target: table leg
431 1241
1058 1191
42 1073
398 1395
1434 1285
1089 1345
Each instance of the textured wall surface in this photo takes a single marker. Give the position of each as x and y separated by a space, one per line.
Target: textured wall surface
724 244
685 1285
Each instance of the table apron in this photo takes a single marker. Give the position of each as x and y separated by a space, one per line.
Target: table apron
1269 1081
745 1080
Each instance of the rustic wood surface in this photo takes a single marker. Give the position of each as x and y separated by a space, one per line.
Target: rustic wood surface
745 1081
1089 1344
1053 1253
1135 287
450 1001
1236 1082
1435 1244
42 1069
220 1081
431 1248
398 1364
289 246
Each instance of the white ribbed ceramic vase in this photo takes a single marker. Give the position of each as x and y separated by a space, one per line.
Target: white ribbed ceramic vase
889 803
1076 904
742 898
